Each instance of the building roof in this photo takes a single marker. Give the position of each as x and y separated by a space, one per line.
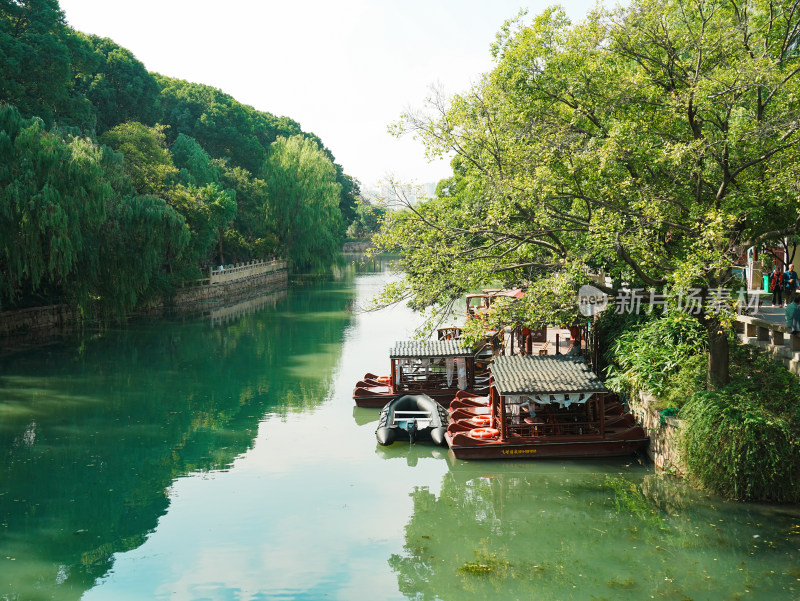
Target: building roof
551 374
430 348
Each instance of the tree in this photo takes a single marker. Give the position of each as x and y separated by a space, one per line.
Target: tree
304 199
655 141
148 162
208 211
51 193
254 238
72 228
367 221
224 127
195 164
118 85
35 53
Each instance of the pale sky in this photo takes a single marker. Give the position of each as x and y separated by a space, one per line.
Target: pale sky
343 69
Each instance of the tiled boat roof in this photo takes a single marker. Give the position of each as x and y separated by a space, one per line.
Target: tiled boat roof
553 374
429 348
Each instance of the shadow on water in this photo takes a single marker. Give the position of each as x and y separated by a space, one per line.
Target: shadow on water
591 530
94 432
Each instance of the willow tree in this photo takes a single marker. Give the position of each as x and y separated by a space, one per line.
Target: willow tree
303 208
655 140
72 228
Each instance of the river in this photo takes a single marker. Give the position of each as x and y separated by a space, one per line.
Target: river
220 457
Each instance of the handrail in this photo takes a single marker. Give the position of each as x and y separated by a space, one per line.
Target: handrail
223 274
766 331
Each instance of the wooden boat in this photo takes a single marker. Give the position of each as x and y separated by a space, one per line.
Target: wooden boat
412 417
543 406
439 368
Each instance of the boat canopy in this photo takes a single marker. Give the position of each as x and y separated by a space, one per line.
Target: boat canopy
538 376
430 348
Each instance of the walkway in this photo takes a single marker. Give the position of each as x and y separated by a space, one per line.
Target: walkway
768 331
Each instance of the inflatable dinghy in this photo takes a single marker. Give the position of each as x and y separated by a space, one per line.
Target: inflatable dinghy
412 417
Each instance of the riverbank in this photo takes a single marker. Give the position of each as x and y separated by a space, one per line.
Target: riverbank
739 441
39 325
664 431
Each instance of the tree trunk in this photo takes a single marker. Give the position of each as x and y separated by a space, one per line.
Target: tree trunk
718 356
221 258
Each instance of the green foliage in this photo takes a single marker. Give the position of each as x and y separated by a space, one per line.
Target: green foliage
610 326
207 211
303 201
649 355
736 446
118 86
224 127
66 202
36 62
254 237
71 226
195 164
550 300
147 161
141 235
51 192
367 221
654 140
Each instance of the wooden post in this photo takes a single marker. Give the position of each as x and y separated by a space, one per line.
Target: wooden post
603 414
470 361
502 417
392 383
558 347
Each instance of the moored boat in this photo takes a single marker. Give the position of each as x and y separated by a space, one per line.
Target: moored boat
439 369
412 417
543 406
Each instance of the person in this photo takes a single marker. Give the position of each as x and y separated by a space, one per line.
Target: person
791 307
790 282
776 285
796 316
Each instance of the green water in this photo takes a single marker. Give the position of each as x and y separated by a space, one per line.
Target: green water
220 457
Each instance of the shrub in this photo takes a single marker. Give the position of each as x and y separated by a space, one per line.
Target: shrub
736 447
650 355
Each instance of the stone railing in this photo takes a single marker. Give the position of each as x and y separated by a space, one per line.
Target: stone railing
773 338
239 271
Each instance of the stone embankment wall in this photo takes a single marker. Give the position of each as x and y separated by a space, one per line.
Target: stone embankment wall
230 290
40 324
664 433
357 246
37 324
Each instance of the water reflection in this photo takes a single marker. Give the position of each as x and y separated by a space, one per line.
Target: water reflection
581 531
95 431
410 453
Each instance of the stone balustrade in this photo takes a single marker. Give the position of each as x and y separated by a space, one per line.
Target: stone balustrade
231 273
776 339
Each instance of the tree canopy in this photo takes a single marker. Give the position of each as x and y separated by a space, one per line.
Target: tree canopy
655 141
303 201
72 227
154 152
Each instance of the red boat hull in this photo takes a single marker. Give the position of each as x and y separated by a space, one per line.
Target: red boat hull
375 397
612 445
